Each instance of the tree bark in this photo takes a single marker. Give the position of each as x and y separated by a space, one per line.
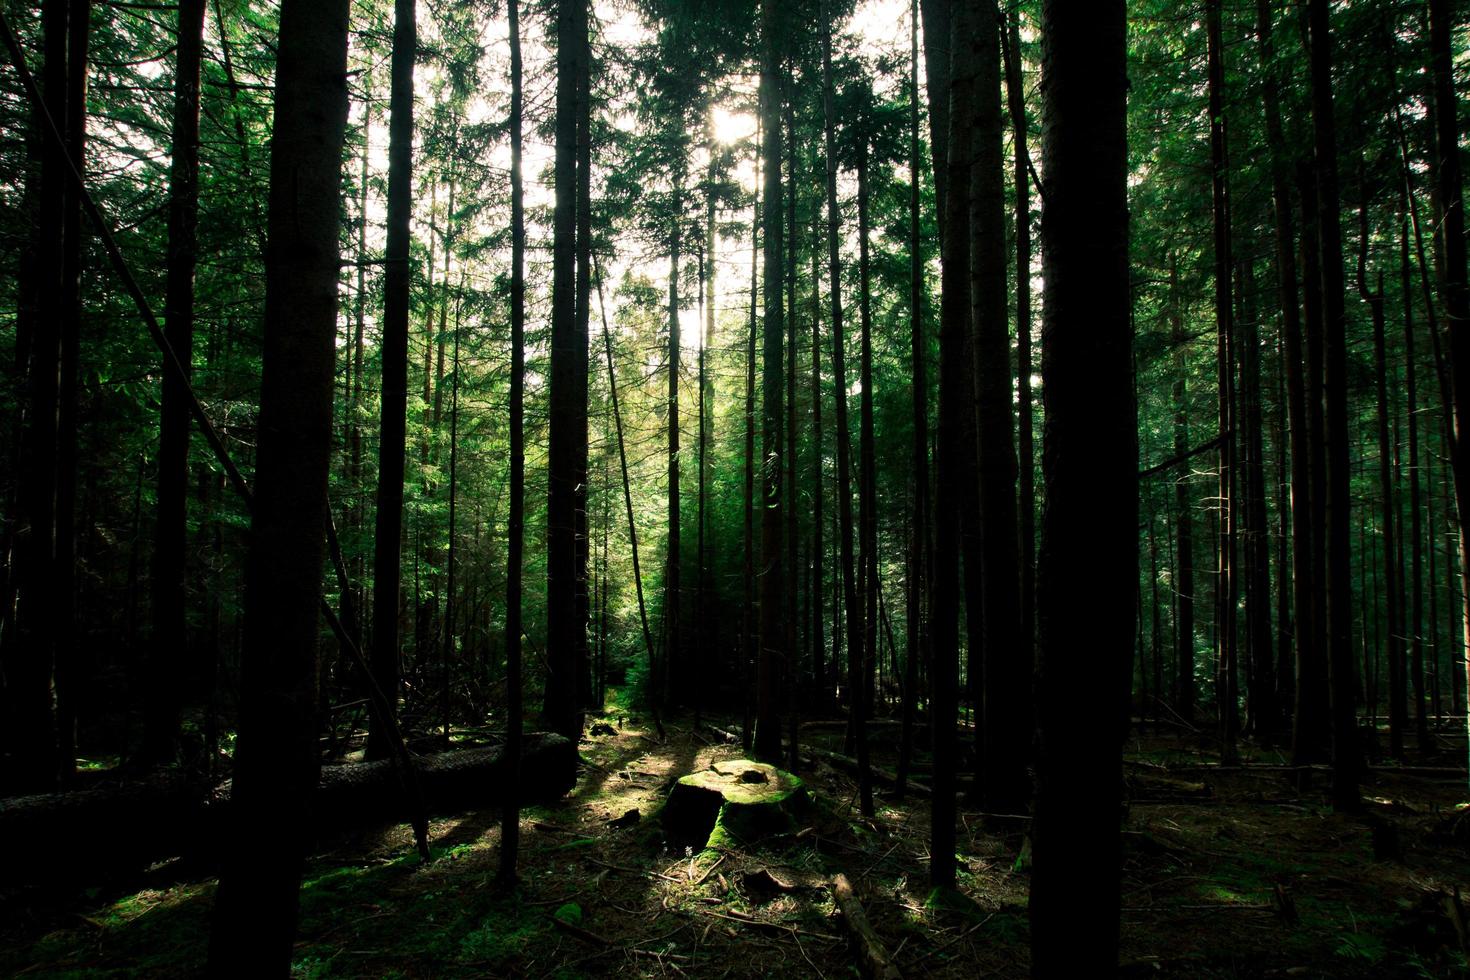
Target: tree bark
1007 670
568 411
1090 468
397 281
1346 754
169 651
767 742
275 760
510 822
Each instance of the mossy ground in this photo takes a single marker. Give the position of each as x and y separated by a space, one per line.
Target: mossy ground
1201 878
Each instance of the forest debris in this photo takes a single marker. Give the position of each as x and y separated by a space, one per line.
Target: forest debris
130 825
626 820
873 958
762 886
603 728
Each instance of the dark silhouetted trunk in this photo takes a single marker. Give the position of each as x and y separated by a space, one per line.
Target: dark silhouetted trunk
767 741
1346 755
1005 683
276 760
565 634
1090 469
397 281
169 653
510 823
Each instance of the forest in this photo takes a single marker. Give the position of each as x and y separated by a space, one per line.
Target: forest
734 489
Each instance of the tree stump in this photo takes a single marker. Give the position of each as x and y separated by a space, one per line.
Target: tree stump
734 803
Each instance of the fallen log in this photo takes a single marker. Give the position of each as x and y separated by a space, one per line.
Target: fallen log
873 958
127 826
882 776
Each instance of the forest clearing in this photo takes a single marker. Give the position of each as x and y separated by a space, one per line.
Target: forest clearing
565 488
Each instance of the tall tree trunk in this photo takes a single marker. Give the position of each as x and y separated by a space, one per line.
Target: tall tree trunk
1346 755
582 689
1226 584
276 764
510 822
397 281
1025 439
767 742
954 462
1455 283
1090 467
918 587
1311 722
1007 670
169 652
748 618
854 629
1302 527
791 671
567 412
1184 686
821 682
1262 711
30 663
1397 668
862 702
1416 523
677 668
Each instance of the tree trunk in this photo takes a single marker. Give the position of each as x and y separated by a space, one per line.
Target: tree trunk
1184 685
1455 284
954 459
510 822
1025 439
397 281
862 701
1346 755
1416 523
918 587
275 759
1090 468
854 612
1226 583
748 615
567 415
1397 669
767 742
169 651
1007 670
677 670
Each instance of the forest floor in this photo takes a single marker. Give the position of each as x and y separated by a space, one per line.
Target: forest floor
1226 874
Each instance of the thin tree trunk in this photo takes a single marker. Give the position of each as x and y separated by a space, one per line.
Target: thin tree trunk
677 672
170 639
1397 670
1184 685
510 821
748 621
1416 523
918 588
854 624
767 741
1025 439
1346 755
397 281
1226 586
862 701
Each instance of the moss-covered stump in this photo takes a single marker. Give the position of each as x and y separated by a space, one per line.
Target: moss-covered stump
734 803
